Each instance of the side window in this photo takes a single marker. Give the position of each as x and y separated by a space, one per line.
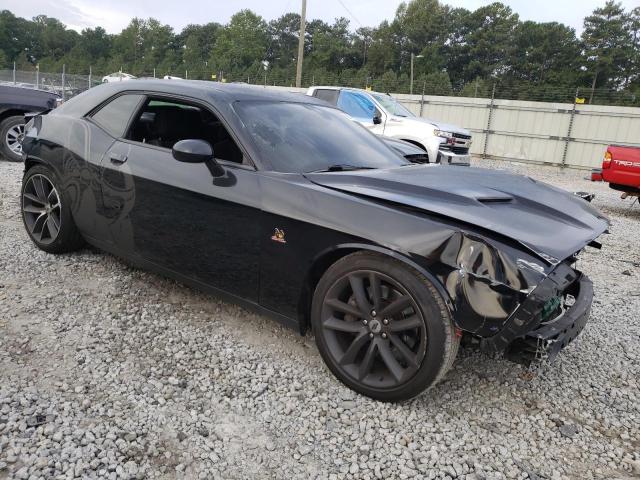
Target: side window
356 105
327 95
163 122
114 116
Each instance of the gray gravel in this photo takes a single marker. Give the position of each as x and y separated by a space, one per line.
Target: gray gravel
111 372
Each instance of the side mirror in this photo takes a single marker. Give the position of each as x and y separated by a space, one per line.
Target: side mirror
197 151
377 119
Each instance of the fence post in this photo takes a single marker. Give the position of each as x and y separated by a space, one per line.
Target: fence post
63 75
569 129
424 85
488 129
154 72
14 73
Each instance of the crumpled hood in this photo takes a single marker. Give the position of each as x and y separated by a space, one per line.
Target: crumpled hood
549 221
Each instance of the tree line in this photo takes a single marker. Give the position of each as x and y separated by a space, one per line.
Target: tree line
454 50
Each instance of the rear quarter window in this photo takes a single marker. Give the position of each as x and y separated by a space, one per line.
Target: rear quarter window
115 115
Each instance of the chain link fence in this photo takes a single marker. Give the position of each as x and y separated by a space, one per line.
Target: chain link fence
64 84
70 84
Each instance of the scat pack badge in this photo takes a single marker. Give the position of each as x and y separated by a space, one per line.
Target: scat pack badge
278 236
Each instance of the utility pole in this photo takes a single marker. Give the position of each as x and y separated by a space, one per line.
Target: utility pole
301 44
413 57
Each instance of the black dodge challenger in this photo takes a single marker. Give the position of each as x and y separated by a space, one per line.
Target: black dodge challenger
283 204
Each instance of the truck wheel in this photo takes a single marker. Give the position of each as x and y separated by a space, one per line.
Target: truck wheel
382 327
11 134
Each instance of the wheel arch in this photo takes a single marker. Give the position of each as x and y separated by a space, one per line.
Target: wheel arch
32 162
414 142
10 112
321 263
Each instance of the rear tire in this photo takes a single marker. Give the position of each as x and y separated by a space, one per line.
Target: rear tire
382 327
11 133
46 213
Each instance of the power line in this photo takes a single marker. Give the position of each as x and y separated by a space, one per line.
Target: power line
350 13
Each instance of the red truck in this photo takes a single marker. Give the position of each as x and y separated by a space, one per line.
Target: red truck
621 169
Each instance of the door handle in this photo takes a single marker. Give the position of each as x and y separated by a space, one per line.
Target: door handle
117 158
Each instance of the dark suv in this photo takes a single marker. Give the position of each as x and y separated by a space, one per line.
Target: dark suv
15 102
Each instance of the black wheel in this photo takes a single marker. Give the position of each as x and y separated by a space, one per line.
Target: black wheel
46 214
11 135
382 327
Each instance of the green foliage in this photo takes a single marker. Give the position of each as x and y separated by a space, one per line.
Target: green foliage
456 51
608 44
476 88
437 83
240 43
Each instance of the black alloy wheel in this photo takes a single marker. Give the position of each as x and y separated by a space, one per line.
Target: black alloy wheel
374 328
382 327
42 209
46 213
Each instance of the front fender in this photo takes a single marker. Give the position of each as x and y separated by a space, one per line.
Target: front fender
328 256
432 145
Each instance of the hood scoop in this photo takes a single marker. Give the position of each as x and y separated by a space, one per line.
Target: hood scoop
549 221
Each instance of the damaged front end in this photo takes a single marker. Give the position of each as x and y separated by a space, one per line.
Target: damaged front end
550 318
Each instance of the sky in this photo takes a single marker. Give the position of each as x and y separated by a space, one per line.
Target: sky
114 15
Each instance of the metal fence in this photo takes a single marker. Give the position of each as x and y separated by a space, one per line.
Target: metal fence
563 134
65 85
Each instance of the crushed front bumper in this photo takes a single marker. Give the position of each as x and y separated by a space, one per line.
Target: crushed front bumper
526 338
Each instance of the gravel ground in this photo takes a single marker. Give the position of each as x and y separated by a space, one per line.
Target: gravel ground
110 372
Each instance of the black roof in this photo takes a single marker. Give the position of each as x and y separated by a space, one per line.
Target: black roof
222 92
234 91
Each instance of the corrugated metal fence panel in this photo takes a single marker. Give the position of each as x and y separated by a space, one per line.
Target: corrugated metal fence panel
595 127
527 132
536 131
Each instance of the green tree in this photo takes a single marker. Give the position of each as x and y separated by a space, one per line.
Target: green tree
544 53
283 40
437 83
388 82
384 49
128 47
421 28
488 35
632 73
607 45
241 43
197 42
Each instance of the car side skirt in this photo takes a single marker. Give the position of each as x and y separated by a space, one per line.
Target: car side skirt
153 267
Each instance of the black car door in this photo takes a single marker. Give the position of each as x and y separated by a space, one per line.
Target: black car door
176 214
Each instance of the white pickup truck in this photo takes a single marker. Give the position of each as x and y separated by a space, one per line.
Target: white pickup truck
383 115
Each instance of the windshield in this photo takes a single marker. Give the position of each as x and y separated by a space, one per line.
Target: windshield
391 105
302 138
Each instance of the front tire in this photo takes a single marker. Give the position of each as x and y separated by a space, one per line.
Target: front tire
382 327
11 134
46 213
